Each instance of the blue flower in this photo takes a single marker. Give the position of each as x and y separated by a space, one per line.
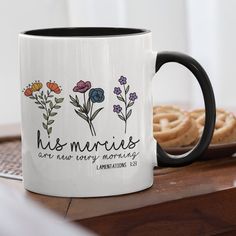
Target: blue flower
117 108
122 80
96 95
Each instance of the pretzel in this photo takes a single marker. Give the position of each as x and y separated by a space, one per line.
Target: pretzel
225 127
173 127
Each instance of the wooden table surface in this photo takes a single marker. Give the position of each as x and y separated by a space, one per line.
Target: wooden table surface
197 199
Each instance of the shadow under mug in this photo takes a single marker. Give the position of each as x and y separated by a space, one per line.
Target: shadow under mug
87 110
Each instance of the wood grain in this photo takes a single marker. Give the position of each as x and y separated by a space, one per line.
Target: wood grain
210 214
20 216
169 184
56 204
9 132
193 200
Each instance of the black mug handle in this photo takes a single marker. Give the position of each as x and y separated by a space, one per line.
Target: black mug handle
165 159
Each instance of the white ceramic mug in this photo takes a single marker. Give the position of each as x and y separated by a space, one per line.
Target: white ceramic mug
87 110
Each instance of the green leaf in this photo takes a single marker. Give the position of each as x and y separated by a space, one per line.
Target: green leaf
80 106
53 114
81 115
50 122
41 97
44 126
45 116
82 109
121 117
57 107
85 108
59 100
127 89
43 102
42 93
45 97
50 130
51 104
88 105
37 102
74 103
72 99
36 96
121 98
41 107
32 97
129 114
130 104
95 113
47 92
76 98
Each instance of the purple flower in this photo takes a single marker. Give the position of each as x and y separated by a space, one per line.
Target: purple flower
122 80
82 86
117 108
117 90
133 96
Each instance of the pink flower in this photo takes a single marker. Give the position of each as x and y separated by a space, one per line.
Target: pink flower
82 86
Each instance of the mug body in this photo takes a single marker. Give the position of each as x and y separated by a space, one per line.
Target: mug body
87 111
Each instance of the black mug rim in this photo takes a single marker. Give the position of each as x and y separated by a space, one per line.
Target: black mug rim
86 32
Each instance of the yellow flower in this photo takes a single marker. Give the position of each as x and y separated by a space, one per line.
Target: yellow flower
36 86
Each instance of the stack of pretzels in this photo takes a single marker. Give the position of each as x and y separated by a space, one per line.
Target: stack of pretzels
174 127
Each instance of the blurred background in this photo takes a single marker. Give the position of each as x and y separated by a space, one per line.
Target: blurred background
203 29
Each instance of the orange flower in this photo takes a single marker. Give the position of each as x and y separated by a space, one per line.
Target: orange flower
28 92
54 87
36 86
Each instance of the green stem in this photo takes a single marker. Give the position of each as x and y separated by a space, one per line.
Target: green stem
47 110
84 100
91 111
90 127
40 102
47 96
122 114
89 121
125 110
49 113
93 129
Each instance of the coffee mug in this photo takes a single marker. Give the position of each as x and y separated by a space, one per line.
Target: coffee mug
87 110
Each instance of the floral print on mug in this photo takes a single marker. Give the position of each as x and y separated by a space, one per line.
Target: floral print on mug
44 100
85 109
127 99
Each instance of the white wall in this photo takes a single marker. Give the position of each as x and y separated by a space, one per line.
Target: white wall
166 19
204 29
212 40
17 16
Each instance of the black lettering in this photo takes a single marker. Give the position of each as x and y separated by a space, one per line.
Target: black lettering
58 146
76 146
